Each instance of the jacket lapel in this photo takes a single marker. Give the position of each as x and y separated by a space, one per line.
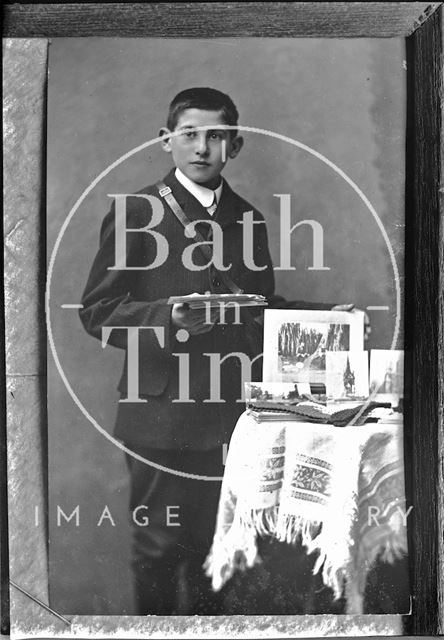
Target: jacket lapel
228 211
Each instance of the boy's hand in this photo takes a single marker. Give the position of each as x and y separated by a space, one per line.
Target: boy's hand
195 321
351 307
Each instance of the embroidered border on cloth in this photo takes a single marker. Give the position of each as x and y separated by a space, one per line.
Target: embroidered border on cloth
316 482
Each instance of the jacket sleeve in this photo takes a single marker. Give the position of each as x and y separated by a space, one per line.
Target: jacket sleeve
109 298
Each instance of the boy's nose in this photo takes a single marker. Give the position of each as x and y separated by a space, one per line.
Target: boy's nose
202 144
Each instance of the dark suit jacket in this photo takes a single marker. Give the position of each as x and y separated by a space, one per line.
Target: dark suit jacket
139 298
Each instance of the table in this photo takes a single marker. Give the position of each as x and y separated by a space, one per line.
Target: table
340 490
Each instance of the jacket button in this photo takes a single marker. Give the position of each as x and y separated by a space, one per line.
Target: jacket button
216 282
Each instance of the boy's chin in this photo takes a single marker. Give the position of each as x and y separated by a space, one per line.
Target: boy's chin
212 183
208 180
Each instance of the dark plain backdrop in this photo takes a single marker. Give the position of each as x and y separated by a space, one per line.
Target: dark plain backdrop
343 98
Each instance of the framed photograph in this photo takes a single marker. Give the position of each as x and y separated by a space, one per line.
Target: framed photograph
296 342
340 120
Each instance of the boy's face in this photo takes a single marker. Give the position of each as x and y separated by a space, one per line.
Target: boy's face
201 155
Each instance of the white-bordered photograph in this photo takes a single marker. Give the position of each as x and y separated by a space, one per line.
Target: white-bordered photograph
346 378
296 342
387 375
282 392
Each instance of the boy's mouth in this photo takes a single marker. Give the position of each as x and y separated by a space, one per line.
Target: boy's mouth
201 163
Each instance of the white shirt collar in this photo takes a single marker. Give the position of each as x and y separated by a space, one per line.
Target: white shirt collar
203 194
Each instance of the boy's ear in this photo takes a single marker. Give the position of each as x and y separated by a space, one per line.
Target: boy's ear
236 145
166 142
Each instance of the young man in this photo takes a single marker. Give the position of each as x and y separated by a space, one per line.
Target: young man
168 418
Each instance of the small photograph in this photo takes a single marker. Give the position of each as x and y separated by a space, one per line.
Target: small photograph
346 375
282 392
296 342
302 348
387 375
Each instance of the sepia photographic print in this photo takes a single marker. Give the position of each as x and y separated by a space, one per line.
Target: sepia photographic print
133 501
225 250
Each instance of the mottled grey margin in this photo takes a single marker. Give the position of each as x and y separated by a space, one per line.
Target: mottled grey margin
24 103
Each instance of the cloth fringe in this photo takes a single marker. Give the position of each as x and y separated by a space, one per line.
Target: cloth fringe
237 550
314 485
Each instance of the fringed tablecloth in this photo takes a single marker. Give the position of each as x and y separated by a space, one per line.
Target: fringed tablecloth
340 489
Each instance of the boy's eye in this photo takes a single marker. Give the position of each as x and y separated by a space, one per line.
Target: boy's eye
189 133
217 135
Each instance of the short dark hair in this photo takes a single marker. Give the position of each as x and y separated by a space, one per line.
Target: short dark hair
203 98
